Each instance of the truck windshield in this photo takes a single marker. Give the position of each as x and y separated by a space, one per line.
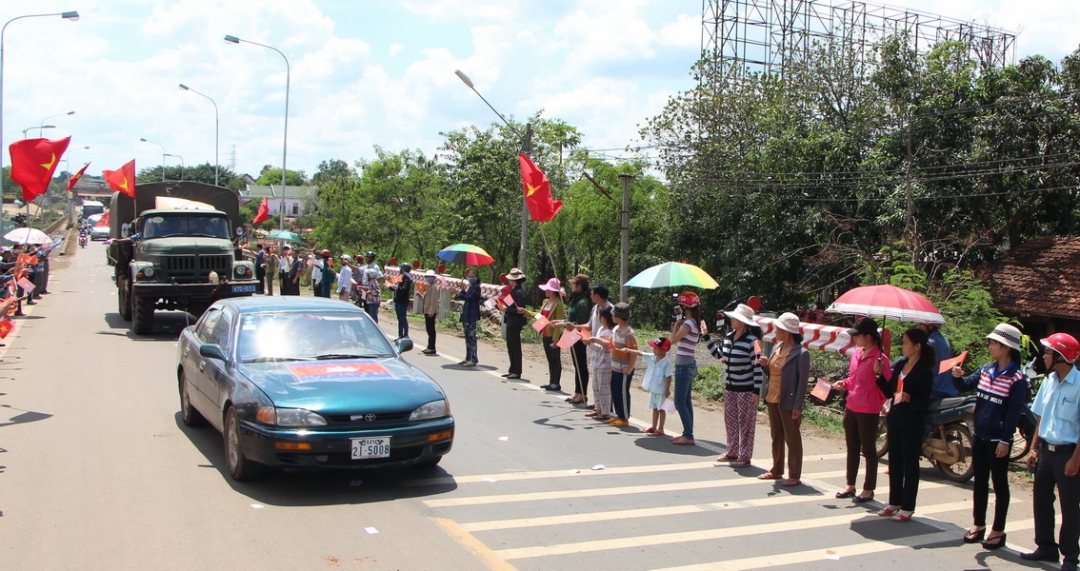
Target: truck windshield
165 226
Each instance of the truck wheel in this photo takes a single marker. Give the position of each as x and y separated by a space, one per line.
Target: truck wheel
142 315
123 298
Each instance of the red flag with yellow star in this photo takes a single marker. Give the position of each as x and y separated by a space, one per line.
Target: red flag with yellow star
122 180
75 177
33 162
542 207
6 327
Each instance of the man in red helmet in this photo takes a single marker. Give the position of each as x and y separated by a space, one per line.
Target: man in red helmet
1055 457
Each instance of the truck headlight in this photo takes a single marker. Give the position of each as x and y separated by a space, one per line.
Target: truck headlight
148 272
242 271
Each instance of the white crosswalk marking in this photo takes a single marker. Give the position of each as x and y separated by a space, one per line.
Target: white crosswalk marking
540 518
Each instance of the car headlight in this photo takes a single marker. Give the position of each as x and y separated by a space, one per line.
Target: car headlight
288 417
433 409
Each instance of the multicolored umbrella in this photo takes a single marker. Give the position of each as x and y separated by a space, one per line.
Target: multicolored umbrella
887 302
673 274
465 254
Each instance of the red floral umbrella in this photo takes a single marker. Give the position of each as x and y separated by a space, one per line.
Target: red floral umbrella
887 302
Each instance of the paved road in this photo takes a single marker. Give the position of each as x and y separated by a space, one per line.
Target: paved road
98 473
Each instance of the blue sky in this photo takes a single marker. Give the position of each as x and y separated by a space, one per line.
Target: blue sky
370 72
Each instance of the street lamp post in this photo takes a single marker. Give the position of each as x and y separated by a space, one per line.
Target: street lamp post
73 16
181 165
162 157
285 139
39 128
42 125
523 253
186 88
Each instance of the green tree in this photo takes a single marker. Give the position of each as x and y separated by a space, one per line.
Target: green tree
272 176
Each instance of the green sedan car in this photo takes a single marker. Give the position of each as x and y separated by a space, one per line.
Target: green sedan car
303 383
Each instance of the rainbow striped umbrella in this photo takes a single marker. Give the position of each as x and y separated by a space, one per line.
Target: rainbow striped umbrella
673 274
465 254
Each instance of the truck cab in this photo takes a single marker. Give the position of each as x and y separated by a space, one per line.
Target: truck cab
179 254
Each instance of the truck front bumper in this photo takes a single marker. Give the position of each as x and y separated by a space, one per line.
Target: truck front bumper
237 288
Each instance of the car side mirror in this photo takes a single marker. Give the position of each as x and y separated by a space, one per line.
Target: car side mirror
212 351
404 345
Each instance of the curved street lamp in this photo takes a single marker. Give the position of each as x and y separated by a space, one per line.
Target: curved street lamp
162 157
51 117
186 88
181 165
285 139
72 16
39 128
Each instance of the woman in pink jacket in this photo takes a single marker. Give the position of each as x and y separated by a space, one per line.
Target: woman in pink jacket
864 401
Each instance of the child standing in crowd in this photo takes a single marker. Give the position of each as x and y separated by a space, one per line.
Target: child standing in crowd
600 360
657 381
622 364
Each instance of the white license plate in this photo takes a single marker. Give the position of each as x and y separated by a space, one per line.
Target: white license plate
244 288
367 448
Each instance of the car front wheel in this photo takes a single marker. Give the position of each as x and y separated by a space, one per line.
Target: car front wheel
240 468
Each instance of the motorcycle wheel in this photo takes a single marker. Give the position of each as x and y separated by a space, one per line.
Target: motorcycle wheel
1020 447
882 442
963 469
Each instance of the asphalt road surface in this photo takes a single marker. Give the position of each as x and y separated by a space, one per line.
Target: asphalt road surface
98 473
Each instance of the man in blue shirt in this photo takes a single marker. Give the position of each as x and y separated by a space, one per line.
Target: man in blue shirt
943 384
1054 454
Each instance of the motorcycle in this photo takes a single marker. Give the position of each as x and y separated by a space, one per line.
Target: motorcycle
82 239
947 439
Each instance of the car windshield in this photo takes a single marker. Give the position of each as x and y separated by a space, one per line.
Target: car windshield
165 226
324 335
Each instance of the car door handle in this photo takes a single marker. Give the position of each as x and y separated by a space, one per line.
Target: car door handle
202 366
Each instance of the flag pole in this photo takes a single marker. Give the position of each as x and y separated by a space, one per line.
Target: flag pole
547 248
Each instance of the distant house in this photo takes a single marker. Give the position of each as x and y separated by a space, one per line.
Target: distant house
1038 284
296 200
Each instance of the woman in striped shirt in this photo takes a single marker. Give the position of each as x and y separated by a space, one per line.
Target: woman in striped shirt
739 353
1003 392
685 333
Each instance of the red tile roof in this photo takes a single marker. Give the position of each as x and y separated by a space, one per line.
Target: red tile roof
1040 277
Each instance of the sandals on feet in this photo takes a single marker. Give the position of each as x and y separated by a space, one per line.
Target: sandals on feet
790 482
770 476
740 463
845 495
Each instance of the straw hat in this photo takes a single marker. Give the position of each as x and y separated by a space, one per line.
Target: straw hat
743 313
1007 335
788 322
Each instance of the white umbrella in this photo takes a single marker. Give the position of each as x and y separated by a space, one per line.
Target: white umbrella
28 236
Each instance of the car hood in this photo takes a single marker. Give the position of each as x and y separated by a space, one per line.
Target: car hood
344 386
181 245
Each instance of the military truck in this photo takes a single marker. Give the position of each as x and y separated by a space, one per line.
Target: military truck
175 246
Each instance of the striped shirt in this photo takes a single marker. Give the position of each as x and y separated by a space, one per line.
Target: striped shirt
1002 396
742 370
622 338
689 341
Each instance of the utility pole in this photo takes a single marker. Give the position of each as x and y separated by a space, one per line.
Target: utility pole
523 255
624 248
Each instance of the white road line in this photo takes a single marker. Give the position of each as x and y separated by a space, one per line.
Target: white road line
597 492
616 515
547 474
811 555
705 534
566 473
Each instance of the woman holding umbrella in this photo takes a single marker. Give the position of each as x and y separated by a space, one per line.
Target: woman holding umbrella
515 322
863 407
470 315
685 333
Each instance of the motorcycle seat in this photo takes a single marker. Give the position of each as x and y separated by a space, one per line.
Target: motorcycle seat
951 402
